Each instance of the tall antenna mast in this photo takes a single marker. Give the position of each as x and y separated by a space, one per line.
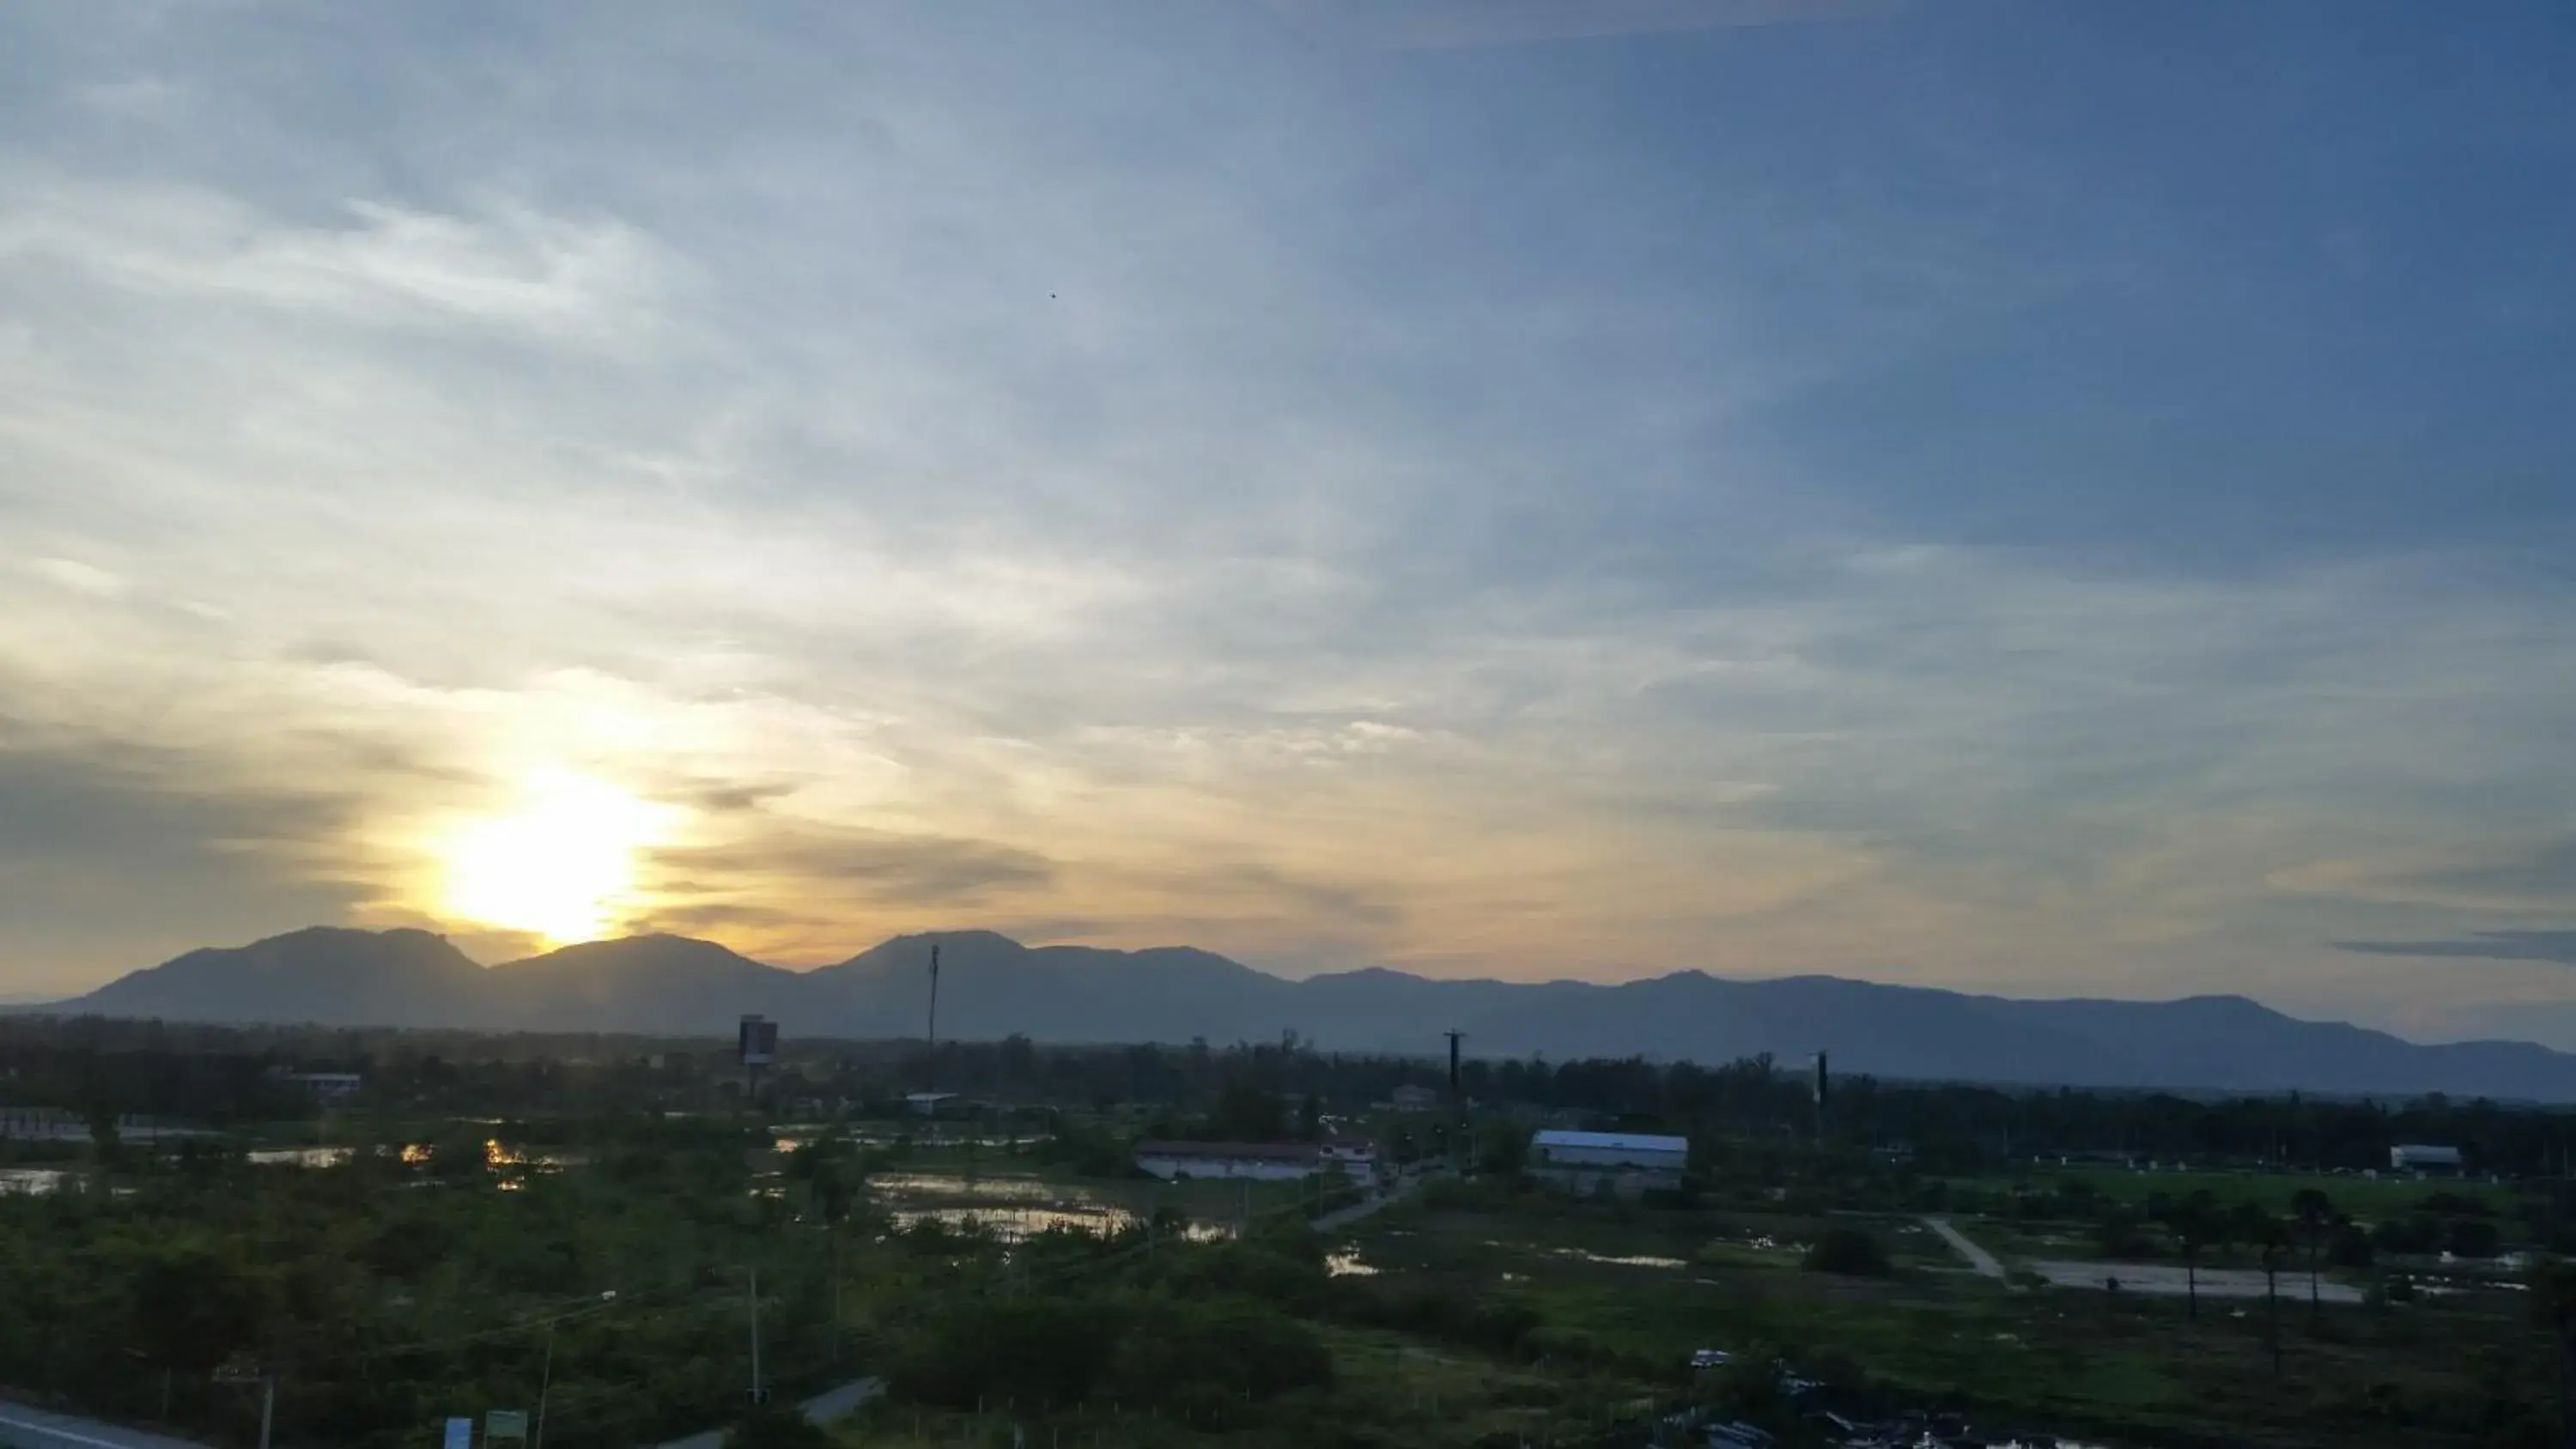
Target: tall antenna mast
933 1035
1457 1098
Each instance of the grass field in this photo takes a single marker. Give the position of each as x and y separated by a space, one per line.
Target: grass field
2367 1199
1648 1287
1019 1195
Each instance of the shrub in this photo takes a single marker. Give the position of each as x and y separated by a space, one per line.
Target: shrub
1045 1351
1174 1352
2415 1235
1848 1251
2472 1238
776 1426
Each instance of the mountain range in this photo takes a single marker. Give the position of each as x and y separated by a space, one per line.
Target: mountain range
992 986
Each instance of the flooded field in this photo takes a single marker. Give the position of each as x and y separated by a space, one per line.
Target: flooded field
299 1156
1018 1206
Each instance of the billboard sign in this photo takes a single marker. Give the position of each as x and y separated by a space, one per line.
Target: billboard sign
502 1424
758 1041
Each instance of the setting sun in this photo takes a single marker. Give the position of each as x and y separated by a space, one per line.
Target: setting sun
562 865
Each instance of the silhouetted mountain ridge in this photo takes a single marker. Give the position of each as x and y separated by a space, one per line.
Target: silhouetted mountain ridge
992 986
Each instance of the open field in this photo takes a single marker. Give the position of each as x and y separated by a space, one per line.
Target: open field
2366 1198
2124 1368
2172 1281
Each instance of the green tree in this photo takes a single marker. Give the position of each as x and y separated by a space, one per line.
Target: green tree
193 1308
2553 1303
2196 1226
2313 1215
1244 1112
776 1426
1503 1149
2270 1237
1848 1251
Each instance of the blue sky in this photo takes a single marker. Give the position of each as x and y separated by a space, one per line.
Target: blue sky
2053 498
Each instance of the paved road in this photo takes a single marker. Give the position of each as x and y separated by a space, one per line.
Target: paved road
2170 1280
1978 1258
26 1428
1340 1218
823 1408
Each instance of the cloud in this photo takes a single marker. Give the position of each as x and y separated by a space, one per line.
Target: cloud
735 799
723 917
80 578
1764 505
853 865
2558 946
508 266
115 856
2534 875
1454 24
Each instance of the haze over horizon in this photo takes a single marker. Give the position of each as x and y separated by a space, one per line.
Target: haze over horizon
2030 496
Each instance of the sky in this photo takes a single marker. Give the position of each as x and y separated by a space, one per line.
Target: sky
2048 497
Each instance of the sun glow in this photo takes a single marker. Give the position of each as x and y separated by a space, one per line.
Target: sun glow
562 865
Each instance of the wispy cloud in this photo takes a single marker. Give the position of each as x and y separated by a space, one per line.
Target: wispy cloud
2558 946
1764 503
1454 24
510 267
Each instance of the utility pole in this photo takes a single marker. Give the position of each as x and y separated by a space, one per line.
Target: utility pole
932 1037
755 1337
1824 1095
267 1406
1457 1098
545 1385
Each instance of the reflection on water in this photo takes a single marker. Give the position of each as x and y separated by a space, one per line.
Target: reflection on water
1638 1260
299 1156
1012 1208
1011 1224
30 1180
982 1189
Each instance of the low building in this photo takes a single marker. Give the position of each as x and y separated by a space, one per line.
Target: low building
324 1086
1629 1162
931 1104
1354 1157
1409 1098
2425 1161
1265 1161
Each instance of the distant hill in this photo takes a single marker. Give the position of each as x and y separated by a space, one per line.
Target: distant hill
322 974
992 986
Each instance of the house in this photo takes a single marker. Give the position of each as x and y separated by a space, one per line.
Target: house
1410 1098
1264 1161
1629 1162
929 1104
1353 1157
324 1086
2425 1161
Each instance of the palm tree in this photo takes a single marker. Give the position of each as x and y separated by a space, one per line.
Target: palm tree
2273 1238
2196 1225
2314 1215
2553 1302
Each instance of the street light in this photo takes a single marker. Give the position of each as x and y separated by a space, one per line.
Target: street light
546 1382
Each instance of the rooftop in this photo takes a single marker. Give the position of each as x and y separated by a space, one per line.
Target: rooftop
1237 1151
1612 1141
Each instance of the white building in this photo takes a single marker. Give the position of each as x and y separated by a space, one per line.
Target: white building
1355 1158
1410 1098
1265 1161
324 1086
1628 1161
2425 1161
